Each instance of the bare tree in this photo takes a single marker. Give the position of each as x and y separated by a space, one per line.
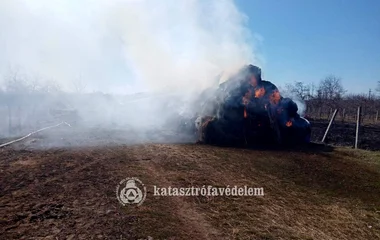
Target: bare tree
16 91
23 96
378 87
16 83
299 89
331 88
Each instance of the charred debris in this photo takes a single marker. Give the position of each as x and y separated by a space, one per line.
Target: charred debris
246 110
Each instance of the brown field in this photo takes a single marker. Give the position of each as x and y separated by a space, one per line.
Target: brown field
69 193
343 134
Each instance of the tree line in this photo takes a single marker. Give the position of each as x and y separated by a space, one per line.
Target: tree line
27 104
329 94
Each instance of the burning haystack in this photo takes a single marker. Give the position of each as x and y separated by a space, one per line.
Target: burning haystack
246 110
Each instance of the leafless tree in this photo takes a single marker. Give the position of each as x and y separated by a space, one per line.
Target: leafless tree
324 97
331 88
299 89
23 96
15 90
16 83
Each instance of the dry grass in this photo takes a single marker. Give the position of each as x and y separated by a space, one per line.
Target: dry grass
309 194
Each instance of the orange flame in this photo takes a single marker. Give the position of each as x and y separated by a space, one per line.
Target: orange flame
245 113
289 123
260 92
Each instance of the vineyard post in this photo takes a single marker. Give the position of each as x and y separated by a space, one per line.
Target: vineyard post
343 114
330 123
358 119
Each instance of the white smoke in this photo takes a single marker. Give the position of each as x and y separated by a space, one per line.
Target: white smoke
124 45
301 104
119 47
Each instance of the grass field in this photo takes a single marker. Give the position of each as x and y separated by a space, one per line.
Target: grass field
315 193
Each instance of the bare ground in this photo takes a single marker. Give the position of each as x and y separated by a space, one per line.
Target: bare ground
343 134
68 193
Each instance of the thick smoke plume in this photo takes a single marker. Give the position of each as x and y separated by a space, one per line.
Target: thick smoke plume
120 47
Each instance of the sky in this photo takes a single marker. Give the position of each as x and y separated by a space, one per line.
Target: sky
306 40
138 45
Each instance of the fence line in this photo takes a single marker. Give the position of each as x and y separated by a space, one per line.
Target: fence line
368 116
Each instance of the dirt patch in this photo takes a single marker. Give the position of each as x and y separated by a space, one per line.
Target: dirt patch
343 134
309 193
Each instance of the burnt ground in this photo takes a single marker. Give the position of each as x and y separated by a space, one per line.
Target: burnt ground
343 134
53 190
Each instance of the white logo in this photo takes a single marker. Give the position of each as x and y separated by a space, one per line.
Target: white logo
131 191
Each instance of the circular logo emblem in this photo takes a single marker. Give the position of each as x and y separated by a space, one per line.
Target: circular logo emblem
131 191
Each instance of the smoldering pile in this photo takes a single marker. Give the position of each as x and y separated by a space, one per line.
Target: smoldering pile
246 110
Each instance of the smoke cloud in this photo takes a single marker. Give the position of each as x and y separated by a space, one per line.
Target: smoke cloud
124 47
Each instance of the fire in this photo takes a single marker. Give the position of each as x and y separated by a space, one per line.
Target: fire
267 116
260 92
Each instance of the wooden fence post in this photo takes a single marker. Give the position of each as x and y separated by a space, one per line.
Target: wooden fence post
330 123
358 119
343 114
